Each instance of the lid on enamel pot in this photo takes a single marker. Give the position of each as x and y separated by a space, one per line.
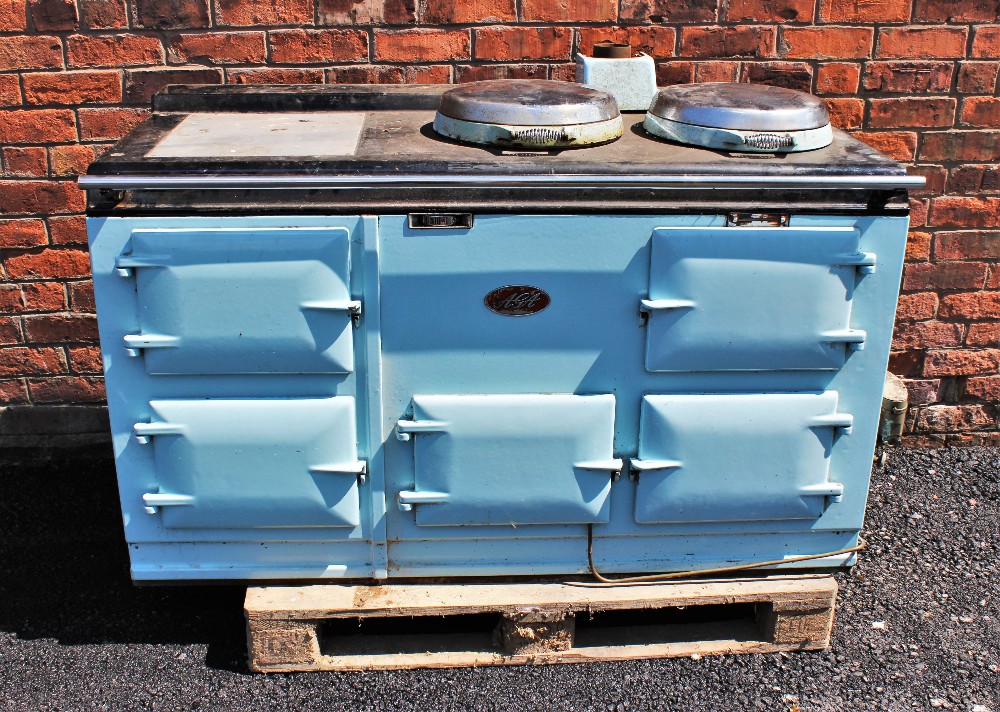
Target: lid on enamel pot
740 117
532 113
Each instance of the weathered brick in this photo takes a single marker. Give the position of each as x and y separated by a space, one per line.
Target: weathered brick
660 11
922 42
973 178
263 12
739 41
141 84
273 75
919 210
22 233
922 391
11 299
320 46
892 113
981 111
770 11
81 297
864 11
13 17
37 126
10 90
977 77
826 42
987 334
970 244
67 389
399 12
791 75
984 388
40 197
30 53
963 211
85 360
43 296
962 363
901 145
971 305
927 335
71 88
171 14
675 72
446 12
102 14
218 48
717 71
935 178
48 264
909 77
657 42
500 71
915 307
986 42
24 161
837 78
60 328
109 124
10 333
961 146
519 43
846 112
906 363
949 418
918 246
54 15
68 230
944 275
956 11
569 10
29 361
113 50
13 391
993 282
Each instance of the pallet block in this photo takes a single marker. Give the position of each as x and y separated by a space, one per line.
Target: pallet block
293 628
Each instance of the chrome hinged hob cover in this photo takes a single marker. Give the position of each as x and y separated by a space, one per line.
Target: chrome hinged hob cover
528 112
739 116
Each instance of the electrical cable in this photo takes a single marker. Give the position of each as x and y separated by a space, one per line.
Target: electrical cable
651 578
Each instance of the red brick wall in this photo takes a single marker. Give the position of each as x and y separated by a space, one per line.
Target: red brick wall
914 78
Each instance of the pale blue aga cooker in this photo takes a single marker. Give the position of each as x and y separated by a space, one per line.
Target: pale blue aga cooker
340 346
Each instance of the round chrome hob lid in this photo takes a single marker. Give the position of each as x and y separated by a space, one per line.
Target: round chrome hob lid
740 117
534 113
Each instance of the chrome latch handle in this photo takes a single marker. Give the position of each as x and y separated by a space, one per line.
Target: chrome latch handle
406 499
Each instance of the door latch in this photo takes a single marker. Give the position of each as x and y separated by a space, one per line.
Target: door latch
440 221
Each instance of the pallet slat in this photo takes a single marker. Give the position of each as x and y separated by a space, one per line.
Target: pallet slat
536 622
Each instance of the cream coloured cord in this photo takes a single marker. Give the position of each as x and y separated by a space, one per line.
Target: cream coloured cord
649 578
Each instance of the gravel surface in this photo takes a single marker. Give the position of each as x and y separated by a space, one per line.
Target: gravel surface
918 625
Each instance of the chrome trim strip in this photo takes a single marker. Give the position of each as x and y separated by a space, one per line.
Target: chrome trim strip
249 182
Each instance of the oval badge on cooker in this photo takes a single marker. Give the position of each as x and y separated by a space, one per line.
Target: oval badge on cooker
517 300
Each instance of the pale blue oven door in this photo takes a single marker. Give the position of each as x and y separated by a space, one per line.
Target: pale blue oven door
237 464
241 300
510 459
752 298
737 457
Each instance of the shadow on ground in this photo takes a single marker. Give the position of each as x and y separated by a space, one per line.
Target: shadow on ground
64 566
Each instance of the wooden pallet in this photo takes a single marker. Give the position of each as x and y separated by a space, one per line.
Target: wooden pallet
335 627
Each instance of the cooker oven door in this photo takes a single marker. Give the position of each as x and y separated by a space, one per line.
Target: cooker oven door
510 459
240 464
737 457
752 298
241 300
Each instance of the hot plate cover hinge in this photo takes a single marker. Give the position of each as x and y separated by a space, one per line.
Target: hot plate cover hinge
757 220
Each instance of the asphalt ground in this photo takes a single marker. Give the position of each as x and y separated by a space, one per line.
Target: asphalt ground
917 625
